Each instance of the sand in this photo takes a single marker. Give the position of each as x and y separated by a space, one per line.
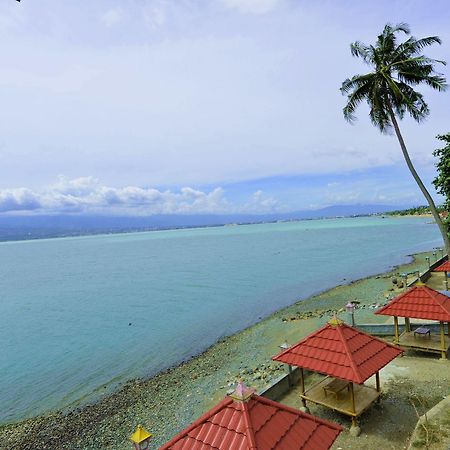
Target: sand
169 401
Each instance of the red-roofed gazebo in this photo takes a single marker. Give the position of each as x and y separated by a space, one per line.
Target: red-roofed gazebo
246 421
348 357
420 302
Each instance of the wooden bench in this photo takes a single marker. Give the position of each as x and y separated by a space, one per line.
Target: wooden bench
422 331
334 386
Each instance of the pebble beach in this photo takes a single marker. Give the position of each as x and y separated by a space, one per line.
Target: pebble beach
168 402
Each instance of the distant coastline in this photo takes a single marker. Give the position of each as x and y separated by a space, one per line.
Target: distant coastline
20 228
42 234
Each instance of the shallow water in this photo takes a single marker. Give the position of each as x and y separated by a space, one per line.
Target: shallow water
80 315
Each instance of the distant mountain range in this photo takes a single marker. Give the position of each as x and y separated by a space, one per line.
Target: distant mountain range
43 226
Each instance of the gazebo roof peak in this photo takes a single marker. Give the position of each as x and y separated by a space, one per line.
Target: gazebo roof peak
342 351
242 393
335 321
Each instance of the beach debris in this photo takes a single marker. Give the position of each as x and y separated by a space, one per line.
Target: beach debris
259 375
308 315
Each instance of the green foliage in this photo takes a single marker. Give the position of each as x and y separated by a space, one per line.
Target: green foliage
442 181
418 210
398 68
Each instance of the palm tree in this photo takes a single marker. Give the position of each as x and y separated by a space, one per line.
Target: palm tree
389 89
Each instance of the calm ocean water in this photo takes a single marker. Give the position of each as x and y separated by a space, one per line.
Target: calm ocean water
66 305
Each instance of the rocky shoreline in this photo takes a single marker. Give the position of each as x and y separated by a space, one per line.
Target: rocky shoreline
166 403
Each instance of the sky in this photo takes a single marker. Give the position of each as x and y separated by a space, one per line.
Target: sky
201 106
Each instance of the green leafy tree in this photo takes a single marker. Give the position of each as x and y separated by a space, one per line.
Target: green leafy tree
442 181
389 90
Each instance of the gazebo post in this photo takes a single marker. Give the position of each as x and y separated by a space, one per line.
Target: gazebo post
352 396
290 375
302 390
446 281
396 329
377 378
302 384
407 324
354 430
443 349
448 329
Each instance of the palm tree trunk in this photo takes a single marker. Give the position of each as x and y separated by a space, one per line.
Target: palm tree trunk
422 187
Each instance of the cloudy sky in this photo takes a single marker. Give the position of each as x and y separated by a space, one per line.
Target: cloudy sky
154 106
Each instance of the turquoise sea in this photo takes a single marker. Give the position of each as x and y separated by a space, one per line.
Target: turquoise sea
78 316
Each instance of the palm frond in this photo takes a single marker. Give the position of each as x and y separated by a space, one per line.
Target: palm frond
413 102
398 68
402 26
354 99
355 82
417 61
361 50
436 82
378 113
419 44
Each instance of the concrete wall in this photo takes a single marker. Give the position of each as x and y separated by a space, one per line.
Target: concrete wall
282 385
382 329
424 277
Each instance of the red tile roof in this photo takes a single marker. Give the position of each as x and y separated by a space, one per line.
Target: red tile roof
419 302
255 423
444 267
341 351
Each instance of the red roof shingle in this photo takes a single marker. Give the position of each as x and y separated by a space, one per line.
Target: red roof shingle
444 267
419 302
341 351
255 424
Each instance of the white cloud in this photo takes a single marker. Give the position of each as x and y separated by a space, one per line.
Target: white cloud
261 203
20 199
78 186
155 14
88 195
112 17
396 189
176 92
252 6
